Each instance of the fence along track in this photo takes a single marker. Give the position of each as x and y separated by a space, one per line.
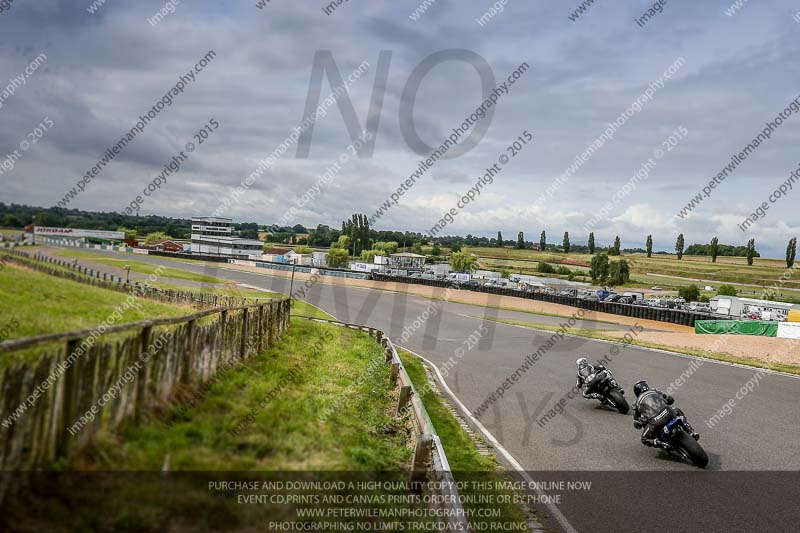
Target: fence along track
50 392
674 316
72 271
429 462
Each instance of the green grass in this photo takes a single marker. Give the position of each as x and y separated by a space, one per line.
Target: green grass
140 268
230 289
288 433
301 307
46 304
467 464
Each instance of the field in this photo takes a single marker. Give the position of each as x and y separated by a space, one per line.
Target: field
664 270
139 267
41 304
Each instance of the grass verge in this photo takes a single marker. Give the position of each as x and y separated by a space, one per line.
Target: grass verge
139 267
312 367
41 304
328 416
301 307
465 461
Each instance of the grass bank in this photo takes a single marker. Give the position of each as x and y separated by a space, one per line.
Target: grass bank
466 462
41 304
139 267
269 417
322 363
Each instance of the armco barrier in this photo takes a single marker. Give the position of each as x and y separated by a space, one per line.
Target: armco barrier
673 316
429 457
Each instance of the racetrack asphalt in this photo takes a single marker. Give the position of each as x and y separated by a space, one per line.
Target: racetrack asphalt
635 488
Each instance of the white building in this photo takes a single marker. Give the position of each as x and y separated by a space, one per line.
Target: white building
744 307
360 266
76 234
407 261
319 259
300 259
214 236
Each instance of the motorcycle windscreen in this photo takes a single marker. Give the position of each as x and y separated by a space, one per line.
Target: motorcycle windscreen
596 379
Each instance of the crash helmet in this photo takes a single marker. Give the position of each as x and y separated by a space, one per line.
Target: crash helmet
582 362
639 387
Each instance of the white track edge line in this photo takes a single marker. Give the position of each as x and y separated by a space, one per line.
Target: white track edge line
554 510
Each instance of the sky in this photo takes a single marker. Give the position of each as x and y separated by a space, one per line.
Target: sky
104 69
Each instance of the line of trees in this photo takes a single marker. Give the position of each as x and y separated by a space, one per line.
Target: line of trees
357 229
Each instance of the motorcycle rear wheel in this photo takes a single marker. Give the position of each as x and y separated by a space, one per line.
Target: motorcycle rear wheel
619 401
697 455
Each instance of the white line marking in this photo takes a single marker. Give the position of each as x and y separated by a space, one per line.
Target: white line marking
554 510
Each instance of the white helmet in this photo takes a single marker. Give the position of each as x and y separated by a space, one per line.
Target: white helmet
581 362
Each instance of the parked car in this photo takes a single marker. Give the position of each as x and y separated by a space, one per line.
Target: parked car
656 288
613 297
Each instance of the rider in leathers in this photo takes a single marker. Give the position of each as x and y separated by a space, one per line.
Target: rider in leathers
584 371
649 413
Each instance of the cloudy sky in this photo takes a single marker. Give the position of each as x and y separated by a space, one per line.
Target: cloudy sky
105 69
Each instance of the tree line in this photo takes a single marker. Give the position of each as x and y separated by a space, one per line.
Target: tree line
361 236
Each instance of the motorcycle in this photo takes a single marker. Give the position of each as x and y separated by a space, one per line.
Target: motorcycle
677 435
603 383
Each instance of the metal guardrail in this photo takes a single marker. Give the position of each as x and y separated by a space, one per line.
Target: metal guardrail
429 456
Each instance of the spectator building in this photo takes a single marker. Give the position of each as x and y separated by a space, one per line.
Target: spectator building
214 236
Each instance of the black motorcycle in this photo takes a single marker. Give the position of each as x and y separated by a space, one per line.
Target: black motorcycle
677 435
603 383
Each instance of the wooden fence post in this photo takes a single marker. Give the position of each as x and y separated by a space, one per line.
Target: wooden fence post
69 394
140 377
419 464
243 348
261 327
187 356
405 397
